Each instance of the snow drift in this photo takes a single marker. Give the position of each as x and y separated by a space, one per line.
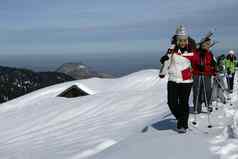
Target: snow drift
116 115
42 125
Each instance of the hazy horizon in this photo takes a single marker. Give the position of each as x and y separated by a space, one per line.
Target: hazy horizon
118 64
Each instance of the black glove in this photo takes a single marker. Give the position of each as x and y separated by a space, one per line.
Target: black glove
161 76
170 51
164 58
202 52
201 67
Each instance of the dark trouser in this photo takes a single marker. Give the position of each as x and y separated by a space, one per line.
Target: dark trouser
178 98
199 93
230 81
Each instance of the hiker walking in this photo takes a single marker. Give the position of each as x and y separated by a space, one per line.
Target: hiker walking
203 69
230 64
220 88
180 79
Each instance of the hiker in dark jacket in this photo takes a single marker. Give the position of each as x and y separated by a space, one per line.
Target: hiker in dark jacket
220 88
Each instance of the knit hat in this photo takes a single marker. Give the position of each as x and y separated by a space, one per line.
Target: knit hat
180 31
231 52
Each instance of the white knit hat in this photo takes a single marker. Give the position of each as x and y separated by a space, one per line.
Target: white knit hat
232 52
181 31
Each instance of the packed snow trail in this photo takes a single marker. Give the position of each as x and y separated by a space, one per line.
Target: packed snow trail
42 125
160 140
156 144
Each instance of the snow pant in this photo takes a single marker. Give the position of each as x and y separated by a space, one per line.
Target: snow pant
178 98
199 93
230 81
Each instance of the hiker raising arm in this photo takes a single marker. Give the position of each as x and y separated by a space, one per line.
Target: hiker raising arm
180 80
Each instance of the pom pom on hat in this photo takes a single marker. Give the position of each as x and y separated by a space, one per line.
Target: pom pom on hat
181 31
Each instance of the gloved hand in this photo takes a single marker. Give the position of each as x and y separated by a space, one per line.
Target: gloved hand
202 52
161 76
170 51
201 67
164 58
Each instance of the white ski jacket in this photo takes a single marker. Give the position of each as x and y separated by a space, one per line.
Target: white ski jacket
178 67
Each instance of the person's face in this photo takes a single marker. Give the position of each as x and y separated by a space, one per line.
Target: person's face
182 42
206 45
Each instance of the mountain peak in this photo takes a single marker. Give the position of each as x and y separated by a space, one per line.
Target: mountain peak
80 71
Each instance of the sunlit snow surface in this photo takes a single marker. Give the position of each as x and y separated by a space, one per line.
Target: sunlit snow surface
41 125
109 122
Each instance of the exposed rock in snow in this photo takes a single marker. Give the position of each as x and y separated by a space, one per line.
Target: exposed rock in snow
17 82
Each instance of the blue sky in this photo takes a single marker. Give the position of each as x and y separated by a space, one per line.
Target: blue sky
110 26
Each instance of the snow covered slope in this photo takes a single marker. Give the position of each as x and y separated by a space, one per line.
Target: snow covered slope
41 125
162 144
160 140
118 115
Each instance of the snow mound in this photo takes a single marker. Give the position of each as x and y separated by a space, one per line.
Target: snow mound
42 125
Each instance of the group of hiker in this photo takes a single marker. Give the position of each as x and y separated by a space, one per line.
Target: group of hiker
192 66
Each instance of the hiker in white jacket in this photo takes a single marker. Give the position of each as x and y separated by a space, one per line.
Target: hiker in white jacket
178 64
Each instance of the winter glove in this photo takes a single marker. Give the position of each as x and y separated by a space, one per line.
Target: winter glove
201 67
202 52
164 58
170 51
161 76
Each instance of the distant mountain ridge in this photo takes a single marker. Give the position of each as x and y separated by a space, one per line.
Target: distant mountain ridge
80 71
16 82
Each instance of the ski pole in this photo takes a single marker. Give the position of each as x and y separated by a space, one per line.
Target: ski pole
206 103
220 85
224 90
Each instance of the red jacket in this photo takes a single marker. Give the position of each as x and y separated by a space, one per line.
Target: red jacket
209 68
